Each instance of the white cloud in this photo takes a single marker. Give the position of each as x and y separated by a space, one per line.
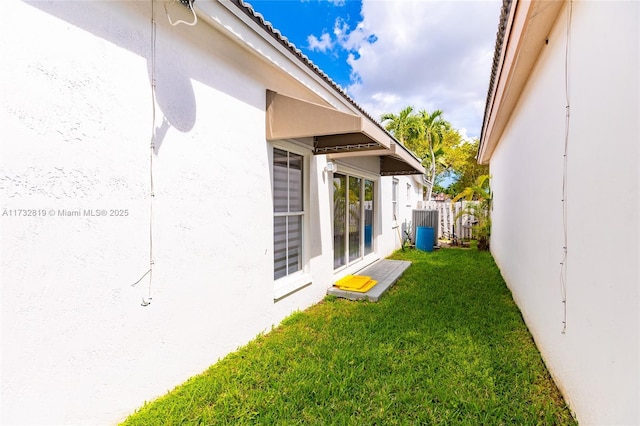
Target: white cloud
340 30
344 38
429 54
321 44
333 2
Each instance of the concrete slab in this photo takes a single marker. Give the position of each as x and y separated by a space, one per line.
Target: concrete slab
385 271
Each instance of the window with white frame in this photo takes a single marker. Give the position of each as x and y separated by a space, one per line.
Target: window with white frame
288 212
408 195
394 199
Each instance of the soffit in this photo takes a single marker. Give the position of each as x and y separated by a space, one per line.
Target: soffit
527 27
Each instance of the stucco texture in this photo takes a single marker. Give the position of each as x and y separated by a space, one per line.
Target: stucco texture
76 113
595 361
78 123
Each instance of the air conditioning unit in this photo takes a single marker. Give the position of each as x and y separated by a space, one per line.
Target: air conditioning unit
425 218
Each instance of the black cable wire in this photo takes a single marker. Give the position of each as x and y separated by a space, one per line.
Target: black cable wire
565 241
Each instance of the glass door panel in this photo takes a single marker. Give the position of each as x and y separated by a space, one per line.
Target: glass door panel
355 223
368 217
339 220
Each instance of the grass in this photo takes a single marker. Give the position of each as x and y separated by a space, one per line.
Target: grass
446 345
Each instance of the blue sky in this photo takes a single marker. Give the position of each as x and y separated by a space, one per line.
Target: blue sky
387 54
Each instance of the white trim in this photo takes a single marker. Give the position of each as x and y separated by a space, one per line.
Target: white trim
292 145
395 202
347 168
355 267
348 172
255 38
290 283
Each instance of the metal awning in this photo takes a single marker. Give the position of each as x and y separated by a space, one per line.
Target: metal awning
336 133
399 164
393 161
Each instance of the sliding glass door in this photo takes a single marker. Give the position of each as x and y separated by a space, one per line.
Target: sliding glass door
353 203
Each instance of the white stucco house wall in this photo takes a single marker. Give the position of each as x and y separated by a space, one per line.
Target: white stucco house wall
561 134
166 196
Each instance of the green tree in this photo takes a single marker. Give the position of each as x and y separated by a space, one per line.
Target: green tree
461 164
404 126
422 133
480 191
432 132
441 148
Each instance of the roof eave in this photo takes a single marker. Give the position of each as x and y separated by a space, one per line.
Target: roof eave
524 28
358 133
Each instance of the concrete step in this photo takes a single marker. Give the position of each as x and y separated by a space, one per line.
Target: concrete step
385 271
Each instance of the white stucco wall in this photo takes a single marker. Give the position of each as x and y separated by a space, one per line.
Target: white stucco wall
76 115
596 362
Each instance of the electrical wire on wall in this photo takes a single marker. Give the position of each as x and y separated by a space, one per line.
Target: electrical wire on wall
563 264
147 300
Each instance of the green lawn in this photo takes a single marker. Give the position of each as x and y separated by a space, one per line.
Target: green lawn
446 345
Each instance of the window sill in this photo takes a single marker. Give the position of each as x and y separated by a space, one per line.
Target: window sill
287 285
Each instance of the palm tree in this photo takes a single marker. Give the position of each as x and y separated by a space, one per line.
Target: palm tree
479 191
432 131
422 134
404 126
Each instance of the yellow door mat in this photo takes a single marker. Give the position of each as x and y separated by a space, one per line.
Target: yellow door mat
358 283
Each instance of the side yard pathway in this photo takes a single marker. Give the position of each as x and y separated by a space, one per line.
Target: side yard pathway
445 345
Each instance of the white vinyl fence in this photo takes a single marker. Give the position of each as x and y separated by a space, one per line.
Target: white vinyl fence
450 226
